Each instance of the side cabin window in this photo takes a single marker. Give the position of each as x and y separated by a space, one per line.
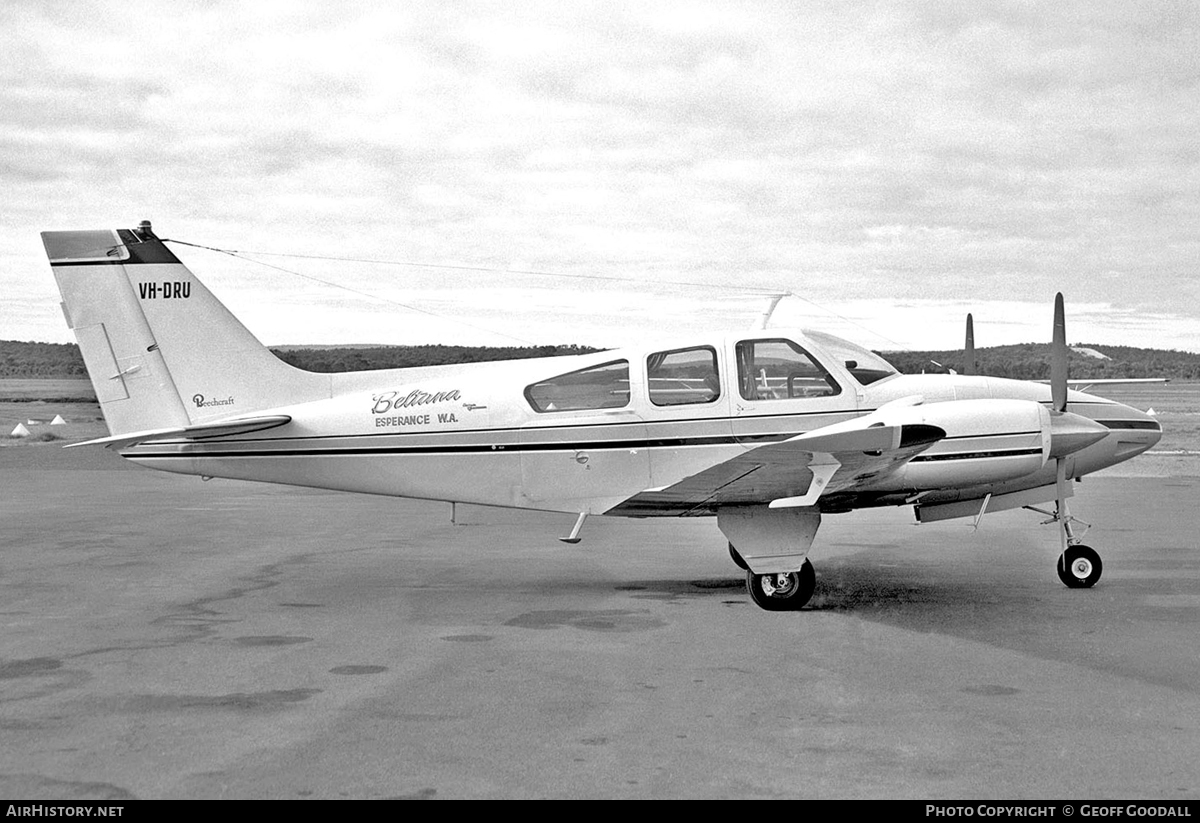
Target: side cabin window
779 369
598 387
683 377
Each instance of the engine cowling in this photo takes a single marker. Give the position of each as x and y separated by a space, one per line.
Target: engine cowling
989 441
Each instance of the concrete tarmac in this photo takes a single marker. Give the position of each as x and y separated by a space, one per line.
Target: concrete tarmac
163 637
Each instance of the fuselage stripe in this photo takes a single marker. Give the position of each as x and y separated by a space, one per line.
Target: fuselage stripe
495 448
982 455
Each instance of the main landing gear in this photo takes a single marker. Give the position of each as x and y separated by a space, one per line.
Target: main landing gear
770 545
786 591
782 592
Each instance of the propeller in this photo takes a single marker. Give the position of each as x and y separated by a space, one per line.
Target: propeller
1068 432
969 352
1058 357
968 365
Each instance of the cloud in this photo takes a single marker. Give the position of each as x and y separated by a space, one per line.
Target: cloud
846 151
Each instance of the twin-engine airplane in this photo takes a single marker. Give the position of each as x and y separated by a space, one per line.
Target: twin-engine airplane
768 430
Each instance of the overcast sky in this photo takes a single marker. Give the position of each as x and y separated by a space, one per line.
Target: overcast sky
605 171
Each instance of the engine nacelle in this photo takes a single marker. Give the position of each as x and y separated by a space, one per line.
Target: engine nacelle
987 441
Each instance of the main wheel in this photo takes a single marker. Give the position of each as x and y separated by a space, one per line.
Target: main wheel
737 559
782 592
1079 567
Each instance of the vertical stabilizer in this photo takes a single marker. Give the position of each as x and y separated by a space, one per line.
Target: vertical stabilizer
160 349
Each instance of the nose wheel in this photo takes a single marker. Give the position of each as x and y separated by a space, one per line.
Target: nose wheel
1079 567
782 592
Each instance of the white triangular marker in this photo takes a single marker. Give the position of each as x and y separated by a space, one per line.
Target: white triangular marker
58 421
20 431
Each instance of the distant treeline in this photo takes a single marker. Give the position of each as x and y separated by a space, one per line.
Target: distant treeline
1031 361
20 359
1024 362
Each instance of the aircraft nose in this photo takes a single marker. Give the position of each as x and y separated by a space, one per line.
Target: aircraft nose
1070 432
1147 427
1150 437
1153 435
1135 432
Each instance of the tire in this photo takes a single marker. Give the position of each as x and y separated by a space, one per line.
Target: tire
737 559
796 589
1079 567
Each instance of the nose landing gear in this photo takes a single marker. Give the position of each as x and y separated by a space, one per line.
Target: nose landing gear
1079 567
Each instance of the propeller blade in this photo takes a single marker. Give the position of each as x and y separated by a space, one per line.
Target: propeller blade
1058 357
969 354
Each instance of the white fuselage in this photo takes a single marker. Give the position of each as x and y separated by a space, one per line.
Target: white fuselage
471 433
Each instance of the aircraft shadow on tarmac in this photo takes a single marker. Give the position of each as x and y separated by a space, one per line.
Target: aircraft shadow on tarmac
867 590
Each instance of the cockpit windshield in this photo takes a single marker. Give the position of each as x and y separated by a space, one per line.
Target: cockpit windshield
864 366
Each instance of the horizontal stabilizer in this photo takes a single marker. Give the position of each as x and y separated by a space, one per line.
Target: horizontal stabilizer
217 428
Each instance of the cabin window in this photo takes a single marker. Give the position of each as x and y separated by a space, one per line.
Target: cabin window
778 370
683 377
599 387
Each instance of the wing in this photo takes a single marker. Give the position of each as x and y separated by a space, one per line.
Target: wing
1083 384
794 472
217 428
